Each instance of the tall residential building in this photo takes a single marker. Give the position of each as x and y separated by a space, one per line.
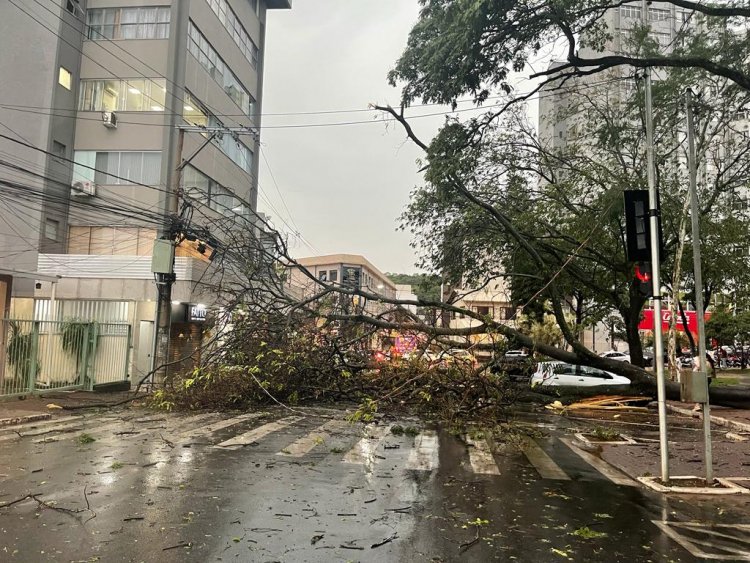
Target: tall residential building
93 96
665 20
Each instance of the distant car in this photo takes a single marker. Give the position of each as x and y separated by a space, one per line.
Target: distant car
460 355
615 355
515 354
561 374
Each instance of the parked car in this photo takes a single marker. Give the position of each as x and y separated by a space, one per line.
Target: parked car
561 374
617 356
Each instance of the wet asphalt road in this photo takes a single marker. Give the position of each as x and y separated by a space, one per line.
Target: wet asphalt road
307 486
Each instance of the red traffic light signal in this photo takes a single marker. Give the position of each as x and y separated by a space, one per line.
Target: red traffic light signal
644 279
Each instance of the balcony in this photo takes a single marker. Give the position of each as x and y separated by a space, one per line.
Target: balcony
101 266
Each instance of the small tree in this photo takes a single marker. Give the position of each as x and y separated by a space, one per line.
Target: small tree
20 354
74 339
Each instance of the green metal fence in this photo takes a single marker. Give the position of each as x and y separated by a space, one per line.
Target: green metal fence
37 356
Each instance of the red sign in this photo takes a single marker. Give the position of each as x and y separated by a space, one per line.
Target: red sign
647 320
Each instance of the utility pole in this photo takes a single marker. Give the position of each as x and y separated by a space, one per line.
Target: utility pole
173 140
654 221
698 274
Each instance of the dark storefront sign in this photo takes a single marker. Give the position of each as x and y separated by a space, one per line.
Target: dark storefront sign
188 313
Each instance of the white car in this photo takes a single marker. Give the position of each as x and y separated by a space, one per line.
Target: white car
516 354
560 374
617 356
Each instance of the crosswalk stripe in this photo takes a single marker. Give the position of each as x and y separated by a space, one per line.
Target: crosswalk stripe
257 433
424 454
363 452
480 457
76 431
47 427
216 426
544 464
304 445
600 465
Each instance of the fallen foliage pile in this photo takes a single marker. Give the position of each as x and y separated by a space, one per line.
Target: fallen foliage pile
261 364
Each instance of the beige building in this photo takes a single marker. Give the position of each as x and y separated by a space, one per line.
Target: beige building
344 270
493 300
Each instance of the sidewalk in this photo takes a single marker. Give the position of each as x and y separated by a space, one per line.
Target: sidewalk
733 419
33 408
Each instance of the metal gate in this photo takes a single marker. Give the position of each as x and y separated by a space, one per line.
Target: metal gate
38 356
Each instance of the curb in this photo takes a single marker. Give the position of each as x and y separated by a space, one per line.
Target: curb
23 419
729 486
718 420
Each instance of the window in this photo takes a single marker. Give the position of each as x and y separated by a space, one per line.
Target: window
663 39
485 311
117 168
196 113
333 276
236 31
657 14
134 94
323 276
59 150
72 6
65 79
128 23
630 11
51 229
209 59
209 192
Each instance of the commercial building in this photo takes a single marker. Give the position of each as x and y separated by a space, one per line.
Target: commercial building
93 98
346 270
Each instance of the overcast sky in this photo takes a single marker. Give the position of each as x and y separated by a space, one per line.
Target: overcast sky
344 186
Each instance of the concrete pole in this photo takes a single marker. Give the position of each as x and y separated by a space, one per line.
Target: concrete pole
661 393
695 220
170 177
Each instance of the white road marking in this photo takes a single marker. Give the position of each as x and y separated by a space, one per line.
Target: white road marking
47 426
363 452
304 445
216 426
424 454
698 548
544 464
93 430
601 466
480 457
257 433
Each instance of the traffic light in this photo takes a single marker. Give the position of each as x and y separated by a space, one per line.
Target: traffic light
638 226
644 279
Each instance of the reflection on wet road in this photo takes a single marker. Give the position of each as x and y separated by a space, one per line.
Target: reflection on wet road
143 486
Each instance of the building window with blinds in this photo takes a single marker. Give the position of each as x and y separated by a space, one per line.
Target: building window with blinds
132 94
148 22
117 168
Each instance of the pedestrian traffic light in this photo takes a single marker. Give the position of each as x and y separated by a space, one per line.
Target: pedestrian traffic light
644 279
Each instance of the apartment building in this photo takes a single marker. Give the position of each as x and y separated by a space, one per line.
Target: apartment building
94 95
665 20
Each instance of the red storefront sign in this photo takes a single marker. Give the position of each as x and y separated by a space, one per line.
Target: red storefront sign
647 320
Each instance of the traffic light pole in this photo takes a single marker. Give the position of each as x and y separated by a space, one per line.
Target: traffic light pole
661 393
697 268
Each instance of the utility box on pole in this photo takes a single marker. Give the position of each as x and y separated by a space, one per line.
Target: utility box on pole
162 260
694 387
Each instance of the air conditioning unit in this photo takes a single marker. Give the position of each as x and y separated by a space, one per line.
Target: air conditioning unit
83 187
109 118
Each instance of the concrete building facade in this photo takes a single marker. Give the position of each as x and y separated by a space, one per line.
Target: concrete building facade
90 119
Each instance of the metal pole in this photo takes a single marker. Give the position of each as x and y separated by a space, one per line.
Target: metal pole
695 220
655 266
